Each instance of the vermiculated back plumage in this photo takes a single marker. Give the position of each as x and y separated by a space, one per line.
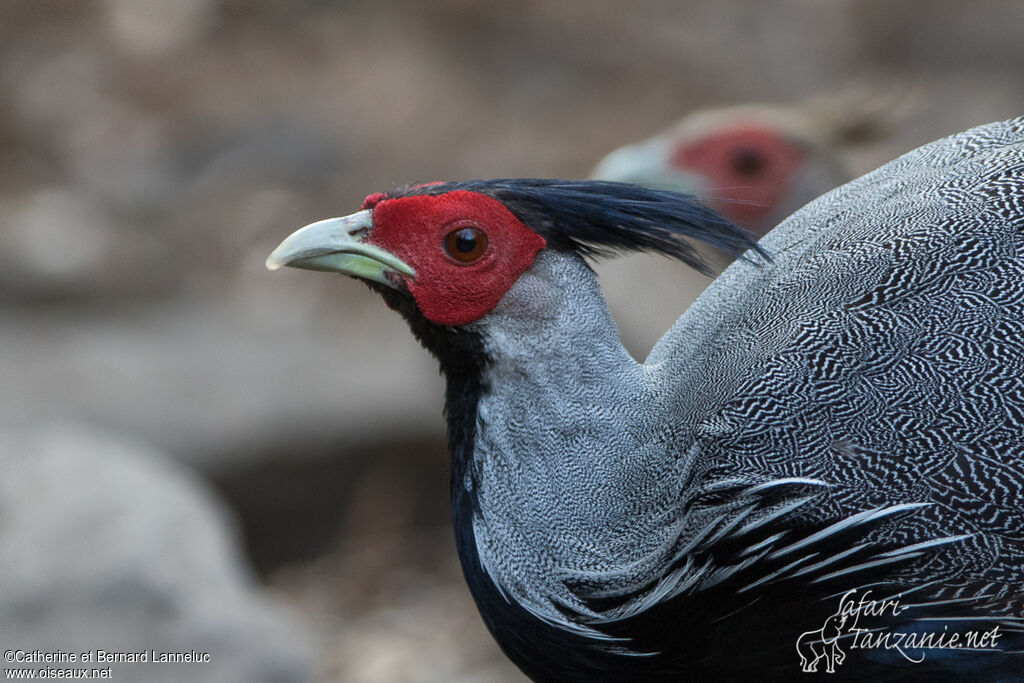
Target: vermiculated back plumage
882 353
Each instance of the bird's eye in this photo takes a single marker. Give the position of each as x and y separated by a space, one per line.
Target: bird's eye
465 245
747 161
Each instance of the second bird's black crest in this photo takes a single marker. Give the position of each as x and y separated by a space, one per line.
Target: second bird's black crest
596 218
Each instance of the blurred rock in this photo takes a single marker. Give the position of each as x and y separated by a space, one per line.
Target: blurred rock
108 546
213 383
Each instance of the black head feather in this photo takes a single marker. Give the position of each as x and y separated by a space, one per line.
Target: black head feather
596 218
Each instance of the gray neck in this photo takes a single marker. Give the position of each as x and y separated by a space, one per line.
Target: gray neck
573 484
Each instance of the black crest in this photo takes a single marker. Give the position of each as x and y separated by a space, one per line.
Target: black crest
596 218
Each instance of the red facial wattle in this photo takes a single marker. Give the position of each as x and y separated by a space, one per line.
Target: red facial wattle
449 288
749 170
373 199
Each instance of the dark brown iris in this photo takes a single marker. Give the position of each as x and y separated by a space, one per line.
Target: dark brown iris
465 245
747 161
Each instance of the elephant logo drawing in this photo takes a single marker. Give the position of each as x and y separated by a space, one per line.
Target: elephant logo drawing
823 643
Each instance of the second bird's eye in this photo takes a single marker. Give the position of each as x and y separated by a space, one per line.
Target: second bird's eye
465 244
747 161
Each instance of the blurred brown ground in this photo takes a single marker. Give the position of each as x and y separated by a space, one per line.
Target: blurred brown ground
153 152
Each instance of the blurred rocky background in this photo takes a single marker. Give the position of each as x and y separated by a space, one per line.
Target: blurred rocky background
198 454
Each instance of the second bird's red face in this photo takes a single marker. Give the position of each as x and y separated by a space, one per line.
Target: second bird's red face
749 170
467 250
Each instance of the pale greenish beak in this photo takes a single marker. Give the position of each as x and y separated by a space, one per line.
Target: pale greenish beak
337 245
